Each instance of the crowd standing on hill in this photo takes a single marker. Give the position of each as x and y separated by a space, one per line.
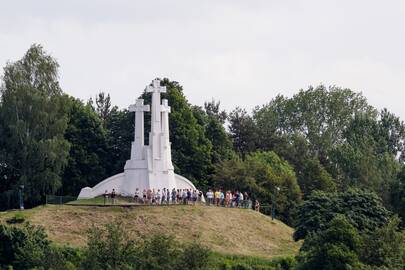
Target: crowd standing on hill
213 197
228 198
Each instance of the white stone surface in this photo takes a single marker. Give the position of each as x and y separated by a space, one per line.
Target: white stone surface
150 166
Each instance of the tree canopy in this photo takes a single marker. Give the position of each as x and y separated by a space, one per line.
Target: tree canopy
33 124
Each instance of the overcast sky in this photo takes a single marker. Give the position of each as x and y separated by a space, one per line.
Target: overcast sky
242 53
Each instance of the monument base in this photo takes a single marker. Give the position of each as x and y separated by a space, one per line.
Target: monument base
120 185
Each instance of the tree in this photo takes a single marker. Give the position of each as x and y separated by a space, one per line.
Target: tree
212 120
109 247
87 162
339 245
398 195
243 131
261 174
363 209
120 134
212 109
319 114
314 177
103 107
27 247
335 247
364 160
33 124
385 247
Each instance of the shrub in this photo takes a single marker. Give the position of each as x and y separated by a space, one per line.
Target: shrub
17 218
362 209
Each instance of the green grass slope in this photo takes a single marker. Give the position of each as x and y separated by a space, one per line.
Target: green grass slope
227 231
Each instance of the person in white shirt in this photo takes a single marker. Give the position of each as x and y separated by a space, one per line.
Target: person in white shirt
158 197
210 197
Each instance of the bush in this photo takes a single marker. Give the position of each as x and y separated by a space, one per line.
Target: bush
27 247
362 209
231 262
111 247
336 247
17 218
22 247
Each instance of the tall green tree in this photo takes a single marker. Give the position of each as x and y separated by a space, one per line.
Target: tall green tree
314 176
319 114
213 119
363 209
103 106
364 159
398 195
243 131
340 245
88 155
334 248
33 124
385 247
265 176
120 130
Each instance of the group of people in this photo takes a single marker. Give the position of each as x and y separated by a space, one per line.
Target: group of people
218 197
167 196
214 197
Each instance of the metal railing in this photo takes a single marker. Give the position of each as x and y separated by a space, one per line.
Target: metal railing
53 199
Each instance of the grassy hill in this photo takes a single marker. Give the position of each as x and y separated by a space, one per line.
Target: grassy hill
228 231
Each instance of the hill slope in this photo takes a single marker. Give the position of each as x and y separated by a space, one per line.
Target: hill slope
229 231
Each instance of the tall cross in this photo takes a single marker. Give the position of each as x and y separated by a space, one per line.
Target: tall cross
165 117
156 118
167 161
156 89
139 109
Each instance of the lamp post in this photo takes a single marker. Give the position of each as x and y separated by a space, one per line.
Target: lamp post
273 204
21 196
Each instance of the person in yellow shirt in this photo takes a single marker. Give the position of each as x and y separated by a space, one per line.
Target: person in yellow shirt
217 196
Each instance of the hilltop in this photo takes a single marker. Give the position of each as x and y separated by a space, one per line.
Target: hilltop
228 231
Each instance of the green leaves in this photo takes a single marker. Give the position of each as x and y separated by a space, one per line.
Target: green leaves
363 209
261 174
335 247
87 162
33 124
340 245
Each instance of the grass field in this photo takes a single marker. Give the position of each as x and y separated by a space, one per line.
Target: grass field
101 201
227 231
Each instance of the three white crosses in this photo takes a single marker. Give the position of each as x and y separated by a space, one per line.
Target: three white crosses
159 124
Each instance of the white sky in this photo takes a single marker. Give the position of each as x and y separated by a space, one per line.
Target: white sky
242 53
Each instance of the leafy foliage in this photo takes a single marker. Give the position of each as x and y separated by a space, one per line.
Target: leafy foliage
109 248
88 152
33 120
28 248
261 174
335 247
243 131
364 210
398 195
339 245
112 248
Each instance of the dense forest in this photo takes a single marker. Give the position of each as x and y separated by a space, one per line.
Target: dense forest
333 162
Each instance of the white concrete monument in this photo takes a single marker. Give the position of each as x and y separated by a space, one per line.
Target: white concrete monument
150 165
